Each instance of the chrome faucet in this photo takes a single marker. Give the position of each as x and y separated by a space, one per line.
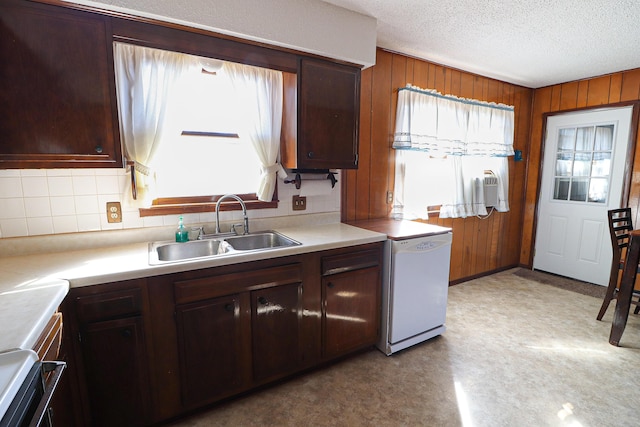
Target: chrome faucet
244 212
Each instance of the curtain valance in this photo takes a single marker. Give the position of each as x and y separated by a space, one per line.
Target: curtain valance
440 124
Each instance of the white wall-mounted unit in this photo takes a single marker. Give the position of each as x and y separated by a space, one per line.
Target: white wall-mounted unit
490 189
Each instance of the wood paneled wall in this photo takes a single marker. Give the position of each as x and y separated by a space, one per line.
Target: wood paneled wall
589 93
479 245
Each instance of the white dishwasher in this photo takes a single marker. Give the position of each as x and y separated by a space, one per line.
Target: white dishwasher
415 281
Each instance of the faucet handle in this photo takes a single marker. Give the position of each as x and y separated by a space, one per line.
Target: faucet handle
233 228
200 231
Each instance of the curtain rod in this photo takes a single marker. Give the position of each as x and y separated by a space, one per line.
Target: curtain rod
437 94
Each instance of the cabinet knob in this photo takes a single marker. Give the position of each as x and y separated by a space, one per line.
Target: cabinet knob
126 333
330 285
228 307
310 154
99 149
262 300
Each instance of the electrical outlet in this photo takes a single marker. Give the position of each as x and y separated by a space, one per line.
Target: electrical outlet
389 197
114 212
299 203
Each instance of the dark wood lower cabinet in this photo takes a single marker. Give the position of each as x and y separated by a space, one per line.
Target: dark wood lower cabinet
275 329
351 313
147 350
210 336
115 365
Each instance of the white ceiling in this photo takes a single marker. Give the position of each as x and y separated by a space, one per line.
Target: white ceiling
533 43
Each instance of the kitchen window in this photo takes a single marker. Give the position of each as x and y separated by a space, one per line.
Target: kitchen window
444 145
196 128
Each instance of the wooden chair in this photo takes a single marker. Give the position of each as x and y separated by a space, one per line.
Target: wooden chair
620 224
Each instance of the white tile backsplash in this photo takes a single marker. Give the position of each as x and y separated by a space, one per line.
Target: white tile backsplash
60 185
12 208
10 187
35 186
90 222
65 224
55 201
37 207
63 206
84 185
87 204
39 226
14 227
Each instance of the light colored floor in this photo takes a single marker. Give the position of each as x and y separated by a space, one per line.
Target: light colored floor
515 353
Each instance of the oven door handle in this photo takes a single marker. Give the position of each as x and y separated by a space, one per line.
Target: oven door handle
43 406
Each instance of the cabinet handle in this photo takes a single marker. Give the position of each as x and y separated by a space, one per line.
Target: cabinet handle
262 300
126 333
99 149
228 307
330 285
310 154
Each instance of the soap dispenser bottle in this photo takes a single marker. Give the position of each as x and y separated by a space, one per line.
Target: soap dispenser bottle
182 235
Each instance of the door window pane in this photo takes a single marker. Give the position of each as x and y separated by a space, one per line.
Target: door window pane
564 163
583 164
566 139
604 138
579 189
561 190
584 139
598 190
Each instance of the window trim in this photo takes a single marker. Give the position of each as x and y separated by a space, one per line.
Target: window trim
200 204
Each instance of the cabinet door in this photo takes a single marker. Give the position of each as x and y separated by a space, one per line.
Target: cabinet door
328 105
351 312
212 354
276 317
116 369
57 90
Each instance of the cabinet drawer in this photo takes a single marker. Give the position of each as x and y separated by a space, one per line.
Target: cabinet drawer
215 286
109 305
48 344
351 261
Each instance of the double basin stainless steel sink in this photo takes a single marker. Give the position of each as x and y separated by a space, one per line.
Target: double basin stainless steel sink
213 246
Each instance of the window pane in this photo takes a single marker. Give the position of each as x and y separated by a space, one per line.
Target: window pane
584 139
564 163
598 190
579 188
188 165
604 138
561 190
566 139
582 164
601 165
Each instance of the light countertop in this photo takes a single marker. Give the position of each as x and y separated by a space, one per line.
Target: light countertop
32 286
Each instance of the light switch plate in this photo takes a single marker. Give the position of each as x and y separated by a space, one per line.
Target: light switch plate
114 212
299 203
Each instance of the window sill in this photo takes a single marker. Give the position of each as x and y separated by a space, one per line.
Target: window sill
185 205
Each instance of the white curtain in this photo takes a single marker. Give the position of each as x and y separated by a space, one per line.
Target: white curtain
145 81
468 177
474 136
262 89
447 125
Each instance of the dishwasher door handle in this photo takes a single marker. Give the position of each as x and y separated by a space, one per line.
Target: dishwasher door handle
43 406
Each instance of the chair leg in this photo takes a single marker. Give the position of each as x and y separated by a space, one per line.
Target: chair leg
611 290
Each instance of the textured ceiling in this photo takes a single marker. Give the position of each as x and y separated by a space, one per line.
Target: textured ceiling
533 43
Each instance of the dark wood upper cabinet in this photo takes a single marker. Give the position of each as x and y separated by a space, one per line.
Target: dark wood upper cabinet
328 106
57 90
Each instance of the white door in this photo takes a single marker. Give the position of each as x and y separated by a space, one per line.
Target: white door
582 177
